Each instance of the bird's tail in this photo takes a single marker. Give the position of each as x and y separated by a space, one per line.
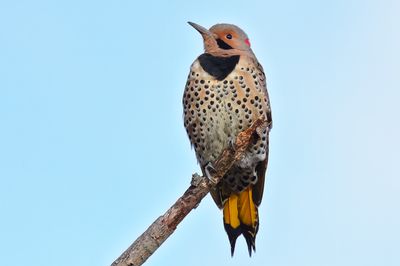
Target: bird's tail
241 217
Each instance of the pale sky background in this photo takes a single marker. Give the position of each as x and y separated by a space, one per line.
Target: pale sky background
93 149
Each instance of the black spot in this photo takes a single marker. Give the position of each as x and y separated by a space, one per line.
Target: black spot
202 81
219 67
244 183
223 45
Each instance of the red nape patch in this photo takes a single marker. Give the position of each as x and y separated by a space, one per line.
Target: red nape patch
247 41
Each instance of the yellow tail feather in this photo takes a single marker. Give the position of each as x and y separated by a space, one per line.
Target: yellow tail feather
231 216
241 217
247 209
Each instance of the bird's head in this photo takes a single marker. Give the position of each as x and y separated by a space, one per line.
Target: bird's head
223 36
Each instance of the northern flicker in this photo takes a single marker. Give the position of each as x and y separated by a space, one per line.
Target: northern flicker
224 94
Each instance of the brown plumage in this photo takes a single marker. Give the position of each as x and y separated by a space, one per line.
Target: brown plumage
225 92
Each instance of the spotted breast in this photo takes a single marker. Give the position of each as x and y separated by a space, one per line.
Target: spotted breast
216 109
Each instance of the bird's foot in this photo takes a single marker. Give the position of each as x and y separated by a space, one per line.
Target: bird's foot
232 143
210 171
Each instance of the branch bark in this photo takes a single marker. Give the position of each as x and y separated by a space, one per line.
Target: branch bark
146 244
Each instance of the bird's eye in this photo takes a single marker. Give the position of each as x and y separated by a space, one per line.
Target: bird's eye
229 36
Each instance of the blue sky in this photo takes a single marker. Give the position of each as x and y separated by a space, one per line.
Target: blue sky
93 149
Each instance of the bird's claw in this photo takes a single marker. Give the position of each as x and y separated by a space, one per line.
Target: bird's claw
232 143
210 171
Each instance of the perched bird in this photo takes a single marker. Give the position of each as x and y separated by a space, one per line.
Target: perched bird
224 94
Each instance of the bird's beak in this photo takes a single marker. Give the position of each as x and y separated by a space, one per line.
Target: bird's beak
203 31
209 39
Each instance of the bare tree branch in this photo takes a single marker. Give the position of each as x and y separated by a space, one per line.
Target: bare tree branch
145 245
